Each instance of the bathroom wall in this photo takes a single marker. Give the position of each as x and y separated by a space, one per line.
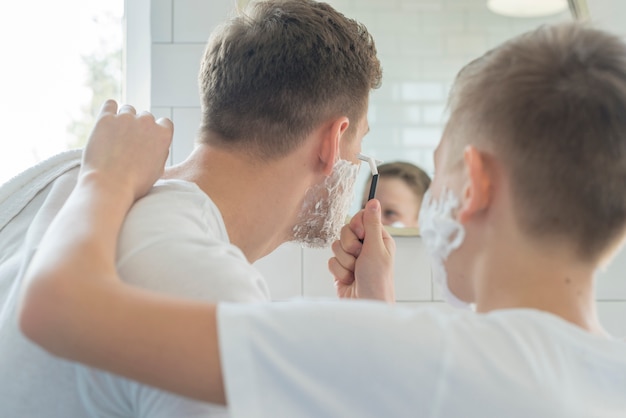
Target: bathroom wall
422 44
293 271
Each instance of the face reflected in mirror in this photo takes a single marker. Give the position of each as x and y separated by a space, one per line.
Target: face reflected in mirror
400 190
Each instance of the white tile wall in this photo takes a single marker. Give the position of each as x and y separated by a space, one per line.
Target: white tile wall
187 123
194 20
161 21
611 281
180 29
422 44
175 74
293 271
316 279
283 271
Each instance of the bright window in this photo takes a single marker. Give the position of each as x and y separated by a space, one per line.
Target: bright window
61 59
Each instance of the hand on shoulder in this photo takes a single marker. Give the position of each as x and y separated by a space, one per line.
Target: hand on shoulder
126 150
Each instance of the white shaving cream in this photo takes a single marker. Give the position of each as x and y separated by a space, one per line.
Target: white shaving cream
326 207
442 234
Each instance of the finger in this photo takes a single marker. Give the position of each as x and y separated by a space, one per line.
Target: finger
166 123
350 242
144 114
168 127
109 106
356 224
389 242
346 260
126 108
341 275
373 225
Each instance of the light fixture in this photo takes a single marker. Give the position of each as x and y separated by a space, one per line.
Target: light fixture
526 8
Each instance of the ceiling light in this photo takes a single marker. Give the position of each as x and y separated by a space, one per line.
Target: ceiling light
526 8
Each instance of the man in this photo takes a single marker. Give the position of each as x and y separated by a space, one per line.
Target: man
528 199
284 92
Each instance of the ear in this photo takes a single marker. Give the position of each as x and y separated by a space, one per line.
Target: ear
331 139
477 192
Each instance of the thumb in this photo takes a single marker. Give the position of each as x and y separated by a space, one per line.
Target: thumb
372 223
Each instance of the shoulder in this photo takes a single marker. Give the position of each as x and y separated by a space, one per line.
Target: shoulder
170 199
175 212
174 240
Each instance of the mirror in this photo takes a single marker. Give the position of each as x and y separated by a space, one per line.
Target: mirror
422 44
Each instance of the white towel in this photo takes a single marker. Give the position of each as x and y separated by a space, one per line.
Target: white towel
21 189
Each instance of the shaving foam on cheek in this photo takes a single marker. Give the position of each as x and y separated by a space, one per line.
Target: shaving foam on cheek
326 207
442 234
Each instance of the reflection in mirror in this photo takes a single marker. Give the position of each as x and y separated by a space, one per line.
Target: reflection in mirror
422 44
401 188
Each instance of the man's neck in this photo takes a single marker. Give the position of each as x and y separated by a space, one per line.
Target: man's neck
259 201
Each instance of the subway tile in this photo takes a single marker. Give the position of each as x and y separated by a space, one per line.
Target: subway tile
342 5
175 74
387 46
411 114
385 140
317 282
483 20
437 294
412 270
425 45
420 5
422 157
433 114
161 20
161 112
194 20
612 316
464 5
524 25
463 44
372 114
282 270
417 92
186 123
164 112
386 93
611 281
388 135
404 24
364 16
398 114
387 154
400 67
421 137
372 6
444 69
497 38
443 21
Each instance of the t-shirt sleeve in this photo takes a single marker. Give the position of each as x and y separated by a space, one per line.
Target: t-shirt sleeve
210 271
330 359
189 264
183 259
108 395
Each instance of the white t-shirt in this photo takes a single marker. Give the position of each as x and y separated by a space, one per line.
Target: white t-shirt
174 241
368 359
